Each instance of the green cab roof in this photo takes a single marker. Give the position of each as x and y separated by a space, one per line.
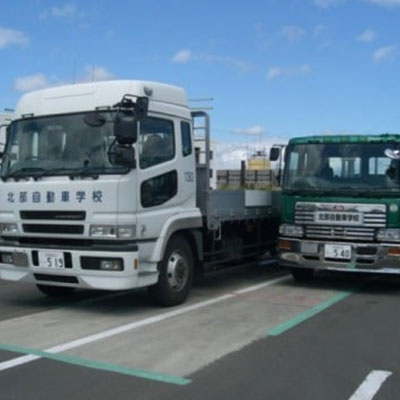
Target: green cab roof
385 138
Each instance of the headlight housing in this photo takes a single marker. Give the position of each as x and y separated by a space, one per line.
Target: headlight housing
8 229
388 235
291 230
113 231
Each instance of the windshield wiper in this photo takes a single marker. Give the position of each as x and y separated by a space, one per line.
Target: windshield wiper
52 171
92 172
24 173
306 191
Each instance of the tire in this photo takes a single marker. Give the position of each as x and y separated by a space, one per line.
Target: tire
55 291
176 274
302 274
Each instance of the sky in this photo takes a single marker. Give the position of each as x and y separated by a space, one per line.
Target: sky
275 69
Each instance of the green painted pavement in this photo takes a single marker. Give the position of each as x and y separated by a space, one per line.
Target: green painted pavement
303 316
155 376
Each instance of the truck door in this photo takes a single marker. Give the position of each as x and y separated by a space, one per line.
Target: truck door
158 189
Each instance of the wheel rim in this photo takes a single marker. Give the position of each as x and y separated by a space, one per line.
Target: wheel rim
177 271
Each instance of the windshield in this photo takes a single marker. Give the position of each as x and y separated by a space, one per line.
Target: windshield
59 145
340 166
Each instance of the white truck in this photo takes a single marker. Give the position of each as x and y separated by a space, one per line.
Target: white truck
5 120
102 188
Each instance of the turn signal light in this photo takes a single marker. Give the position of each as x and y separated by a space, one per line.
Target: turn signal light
394 251
285 245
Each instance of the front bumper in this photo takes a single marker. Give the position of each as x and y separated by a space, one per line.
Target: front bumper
27 268
365 257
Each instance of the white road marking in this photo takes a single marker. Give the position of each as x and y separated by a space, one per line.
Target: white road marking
18 361
372 383
135 325
262 285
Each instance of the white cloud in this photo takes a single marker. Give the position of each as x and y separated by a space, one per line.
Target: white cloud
382 3
367 36
385 3
97 73
255 130
185 55
9 37
301 70
237 63
384 53
318 30
327 3
182 56
292 32
274 72
230 154
66 11
31 82
40 81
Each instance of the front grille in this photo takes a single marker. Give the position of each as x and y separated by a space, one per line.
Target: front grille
54 215
370 219
343 221
43 228
367 251
49 241
339 232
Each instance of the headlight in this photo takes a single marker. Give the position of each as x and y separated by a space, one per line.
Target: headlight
112 231
388 235
126 232
104 231
291 230
9 229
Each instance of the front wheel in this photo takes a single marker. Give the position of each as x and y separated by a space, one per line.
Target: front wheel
55 291
302 274
176 274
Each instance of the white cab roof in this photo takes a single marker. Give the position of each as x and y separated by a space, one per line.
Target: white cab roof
87 96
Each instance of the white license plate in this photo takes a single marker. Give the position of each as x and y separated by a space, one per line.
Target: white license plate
338 251
53 259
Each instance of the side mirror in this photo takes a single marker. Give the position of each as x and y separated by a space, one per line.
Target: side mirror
274 153
125 128
141 107
392 154
123 155
391 172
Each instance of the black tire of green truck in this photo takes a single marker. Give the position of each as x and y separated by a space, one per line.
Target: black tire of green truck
176 274
55 291
302 274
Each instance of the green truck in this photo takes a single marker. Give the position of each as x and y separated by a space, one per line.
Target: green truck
340 204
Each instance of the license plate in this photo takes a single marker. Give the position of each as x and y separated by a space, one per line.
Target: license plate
54 260
338 251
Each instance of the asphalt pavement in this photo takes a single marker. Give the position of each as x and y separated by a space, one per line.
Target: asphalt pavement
251 333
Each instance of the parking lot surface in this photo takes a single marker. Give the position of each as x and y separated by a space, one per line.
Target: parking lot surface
251 333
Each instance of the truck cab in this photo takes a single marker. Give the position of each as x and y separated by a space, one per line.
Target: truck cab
70 194
340 209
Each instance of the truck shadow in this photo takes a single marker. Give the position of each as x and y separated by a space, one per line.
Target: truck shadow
368 283
25 299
